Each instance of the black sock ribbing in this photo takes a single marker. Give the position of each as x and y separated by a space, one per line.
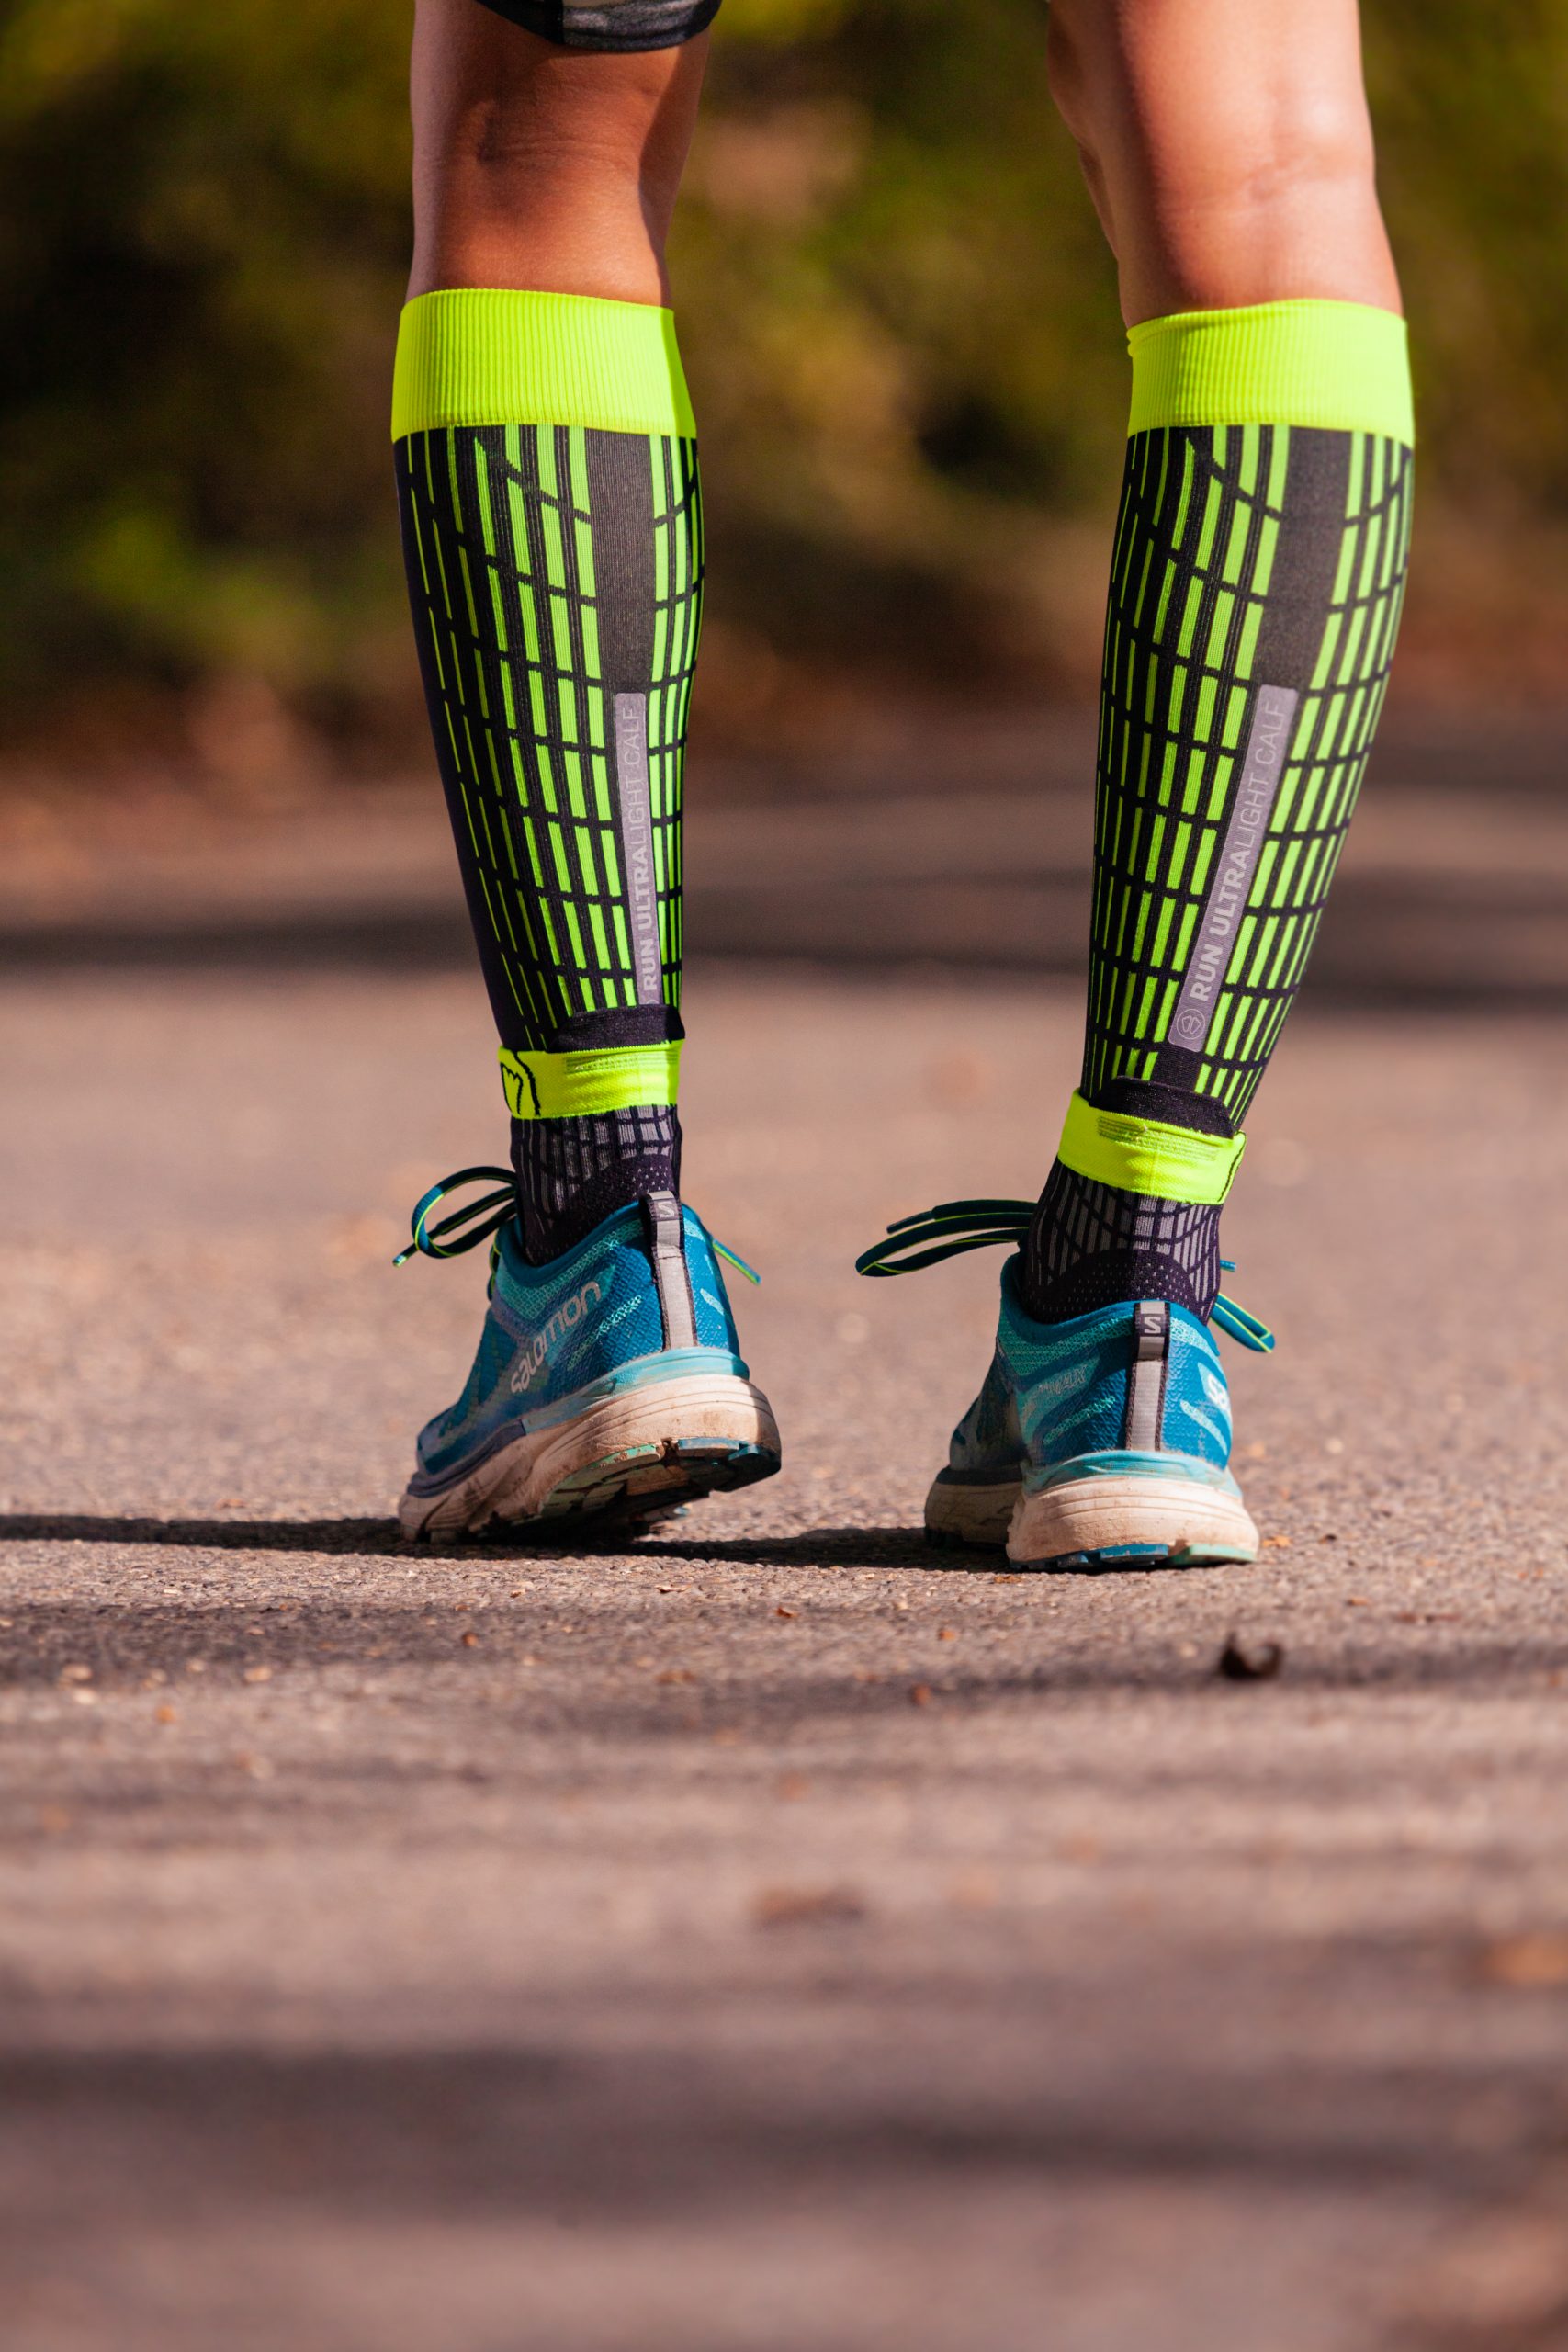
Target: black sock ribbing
572 1172
1092 1246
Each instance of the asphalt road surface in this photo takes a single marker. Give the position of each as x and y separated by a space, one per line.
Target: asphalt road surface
778 1938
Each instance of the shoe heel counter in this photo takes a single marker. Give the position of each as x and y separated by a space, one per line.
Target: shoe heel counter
713 1317
1196 1417
1070 1380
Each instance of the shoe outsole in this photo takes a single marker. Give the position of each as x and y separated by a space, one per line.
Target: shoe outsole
1101 1524
628 1459
646 1483
1124 1557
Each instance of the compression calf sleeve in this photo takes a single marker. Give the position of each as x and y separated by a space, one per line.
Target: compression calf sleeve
1255 585
551 518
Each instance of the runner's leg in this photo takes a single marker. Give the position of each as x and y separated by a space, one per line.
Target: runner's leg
1255 591
547 471
1255 584
546 468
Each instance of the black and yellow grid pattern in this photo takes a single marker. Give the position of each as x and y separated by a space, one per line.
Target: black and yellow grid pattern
535 605
1245 556
1090 1244
677 616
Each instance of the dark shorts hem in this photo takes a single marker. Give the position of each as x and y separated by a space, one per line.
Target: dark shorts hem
620 26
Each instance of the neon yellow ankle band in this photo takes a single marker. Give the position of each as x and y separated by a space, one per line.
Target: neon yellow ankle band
1342 365
576 1086
477 355
1146 1155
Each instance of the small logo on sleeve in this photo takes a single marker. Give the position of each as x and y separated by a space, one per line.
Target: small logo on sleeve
520 1088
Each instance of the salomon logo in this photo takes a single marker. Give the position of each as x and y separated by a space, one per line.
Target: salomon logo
535 1350
514 1076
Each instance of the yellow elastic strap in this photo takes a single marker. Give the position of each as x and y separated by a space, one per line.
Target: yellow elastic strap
576 1086
482 355
1342 365
1146 1155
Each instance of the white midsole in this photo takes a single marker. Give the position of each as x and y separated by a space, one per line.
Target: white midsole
516 1480
977 1514
1174 1515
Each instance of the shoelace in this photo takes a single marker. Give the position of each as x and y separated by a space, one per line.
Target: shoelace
466 1227
482 1220
953 1227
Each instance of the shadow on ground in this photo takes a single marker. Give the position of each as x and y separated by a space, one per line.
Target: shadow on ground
543 2129
827 1547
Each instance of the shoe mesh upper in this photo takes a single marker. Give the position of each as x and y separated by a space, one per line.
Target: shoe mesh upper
551 1330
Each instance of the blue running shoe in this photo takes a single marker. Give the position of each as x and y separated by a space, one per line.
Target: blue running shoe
1100 1443
607 1381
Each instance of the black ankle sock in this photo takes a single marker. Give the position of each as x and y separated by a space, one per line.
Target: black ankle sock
1090 1245
572 1172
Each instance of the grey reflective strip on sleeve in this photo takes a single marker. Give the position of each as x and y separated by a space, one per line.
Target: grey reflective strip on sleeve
667 1246
636 833
1241 845
1146 1381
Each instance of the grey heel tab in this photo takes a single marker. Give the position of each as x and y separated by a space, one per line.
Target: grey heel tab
1145 1379
667 1251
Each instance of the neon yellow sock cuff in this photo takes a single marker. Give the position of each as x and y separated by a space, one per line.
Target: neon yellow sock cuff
1342 365
578 1086
481 355
1146 1155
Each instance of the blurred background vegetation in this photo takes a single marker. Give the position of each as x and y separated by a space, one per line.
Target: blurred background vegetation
898 319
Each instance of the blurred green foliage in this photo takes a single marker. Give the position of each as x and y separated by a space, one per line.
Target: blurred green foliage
898 314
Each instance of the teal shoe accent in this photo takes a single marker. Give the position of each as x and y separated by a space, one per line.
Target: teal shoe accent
608 1380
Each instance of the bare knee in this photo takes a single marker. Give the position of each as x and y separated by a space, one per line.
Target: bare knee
1228 147
543 168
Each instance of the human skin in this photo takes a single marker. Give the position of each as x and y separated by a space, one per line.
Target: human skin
549 169
1227 148
1225 143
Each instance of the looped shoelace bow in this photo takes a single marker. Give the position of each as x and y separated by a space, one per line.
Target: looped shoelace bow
466 1227
954 1226
482 1220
